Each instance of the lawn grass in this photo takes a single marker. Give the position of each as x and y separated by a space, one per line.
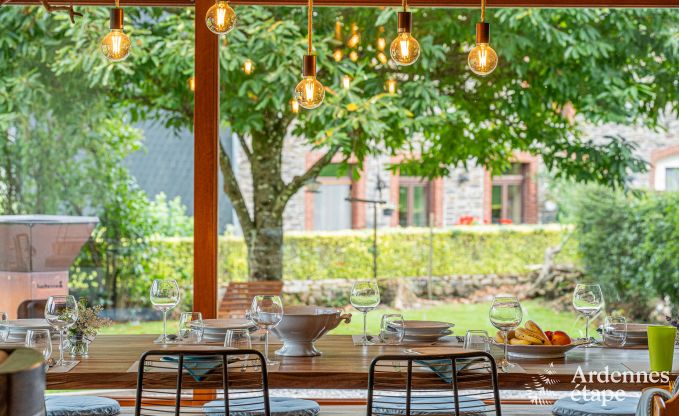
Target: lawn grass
464 316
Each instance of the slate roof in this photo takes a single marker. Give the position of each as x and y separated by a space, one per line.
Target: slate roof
165 164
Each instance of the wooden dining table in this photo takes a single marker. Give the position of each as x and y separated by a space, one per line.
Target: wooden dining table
112 358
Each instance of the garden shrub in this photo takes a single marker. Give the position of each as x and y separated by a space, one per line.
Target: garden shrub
630 244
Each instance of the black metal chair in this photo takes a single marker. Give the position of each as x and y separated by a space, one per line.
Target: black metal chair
206 382
433 385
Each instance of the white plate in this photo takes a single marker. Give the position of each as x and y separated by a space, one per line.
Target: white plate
426 327
26 324
222 325
539 351
426 337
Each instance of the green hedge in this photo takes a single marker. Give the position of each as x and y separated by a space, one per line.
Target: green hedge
630 244
499 250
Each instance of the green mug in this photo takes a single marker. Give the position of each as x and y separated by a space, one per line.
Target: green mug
661 347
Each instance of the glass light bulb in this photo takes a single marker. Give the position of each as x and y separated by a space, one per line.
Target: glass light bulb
192 84
482 59
220 18
309 93
248 67
390 86
346 82
338 55
116 45
294 106
382 58
381 44
405 49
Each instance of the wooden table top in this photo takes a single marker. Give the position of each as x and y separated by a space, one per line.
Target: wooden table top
342 366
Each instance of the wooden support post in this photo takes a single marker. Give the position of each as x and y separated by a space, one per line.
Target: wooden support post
206 134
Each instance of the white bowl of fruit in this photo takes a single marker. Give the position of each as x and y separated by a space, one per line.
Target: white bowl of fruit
530 341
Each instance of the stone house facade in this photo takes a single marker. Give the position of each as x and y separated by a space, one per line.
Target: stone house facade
464 196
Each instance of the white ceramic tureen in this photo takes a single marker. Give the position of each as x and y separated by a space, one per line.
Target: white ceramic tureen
303 325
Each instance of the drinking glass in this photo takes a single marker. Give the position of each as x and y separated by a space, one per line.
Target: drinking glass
40 340
61 312
4 327
191 327
505 315
476 339
615 331
267 312
365 296
588 300
164 296
239 339
392 329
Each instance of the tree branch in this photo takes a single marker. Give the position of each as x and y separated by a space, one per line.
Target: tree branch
245 147
299 181
232 190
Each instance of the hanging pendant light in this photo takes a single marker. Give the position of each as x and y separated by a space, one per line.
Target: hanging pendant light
309 93
346 82
116 45
482 58
248 67
192 83
220 18
294 106
405 49
390 85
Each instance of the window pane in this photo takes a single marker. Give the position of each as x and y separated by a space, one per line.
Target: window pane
514 169
514 203
331 209
672 179
419 206
496 204
403 206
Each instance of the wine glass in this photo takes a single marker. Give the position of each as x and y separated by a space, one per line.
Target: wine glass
588 300
476 339
615 331
505 315
392 329
164 296
191 327
239 339
61 312
40 340
365 296
4 327
267 312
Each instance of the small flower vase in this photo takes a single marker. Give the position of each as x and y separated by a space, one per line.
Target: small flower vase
79 345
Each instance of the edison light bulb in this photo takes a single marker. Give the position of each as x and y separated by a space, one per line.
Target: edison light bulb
192 84
346 82
482 59
116 45
381 44
294 106
220 18
338 55
382 58
248 67
390 86
405 49
309 93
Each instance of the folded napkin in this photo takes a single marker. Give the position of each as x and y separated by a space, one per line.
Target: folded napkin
198 366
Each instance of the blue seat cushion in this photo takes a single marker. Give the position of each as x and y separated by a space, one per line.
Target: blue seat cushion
81 406
422 406
569 407
279 406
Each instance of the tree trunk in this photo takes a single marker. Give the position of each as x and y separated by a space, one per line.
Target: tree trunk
265 249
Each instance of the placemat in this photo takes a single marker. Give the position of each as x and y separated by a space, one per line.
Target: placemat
63 369
169 367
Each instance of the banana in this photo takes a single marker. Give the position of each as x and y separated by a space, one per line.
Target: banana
500 339
527 335
516 341
532 326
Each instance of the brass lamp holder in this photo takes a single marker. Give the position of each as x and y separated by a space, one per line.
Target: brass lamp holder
309 66
116 20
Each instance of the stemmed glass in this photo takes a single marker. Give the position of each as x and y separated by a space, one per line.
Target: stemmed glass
365 296
505 315
588 300
164 296
267 312
239 339
61 312
40 340
615 331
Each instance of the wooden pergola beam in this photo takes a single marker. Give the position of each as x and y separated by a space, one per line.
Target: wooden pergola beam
377 3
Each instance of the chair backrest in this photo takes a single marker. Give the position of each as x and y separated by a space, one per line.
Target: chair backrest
428 385
32 309
238 296
202 382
